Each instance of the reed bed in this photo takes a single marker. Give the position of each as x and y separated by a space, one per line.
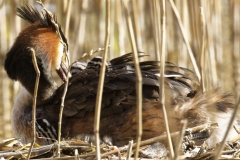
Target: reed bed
202 35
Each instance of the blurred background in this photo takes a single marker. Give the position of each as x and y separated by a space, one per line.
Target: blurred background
214 37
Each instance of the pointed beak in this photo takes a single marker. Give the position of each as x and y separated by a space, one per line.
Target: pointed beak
62 72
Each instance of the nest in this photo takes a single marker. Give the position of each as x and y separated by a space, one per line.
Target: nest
191 146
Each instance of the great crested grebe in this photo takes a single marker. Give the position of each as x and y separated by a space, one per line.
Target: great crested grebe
118 116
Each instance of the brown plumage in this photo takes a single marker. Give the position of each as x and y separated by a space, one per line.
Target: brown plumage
118 115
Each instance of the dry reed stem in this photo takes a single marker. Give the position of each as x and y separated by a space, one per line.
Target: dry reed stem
101 81
101 25
217 57
136 24
1 3
162 73
35 152
222 143
202 68
3 29
120 26
180 137
61 111
185 39
79 41
129 150
34 60
162 67
111 52
69 8
138 79
236 45
66 83
194 27
61 158
210 73
182 56
76 154
156 29
19 149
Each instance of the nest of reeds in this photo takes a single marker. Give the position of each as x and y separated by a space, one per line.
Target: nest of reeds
154 148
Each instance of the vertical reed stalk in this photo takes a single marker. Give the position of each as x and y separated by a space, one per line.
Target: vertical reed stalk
138 79
162 73
202 51
34 60
101 82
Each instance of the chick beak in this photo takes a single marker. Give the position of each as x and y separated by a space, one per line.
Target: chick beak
62 72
